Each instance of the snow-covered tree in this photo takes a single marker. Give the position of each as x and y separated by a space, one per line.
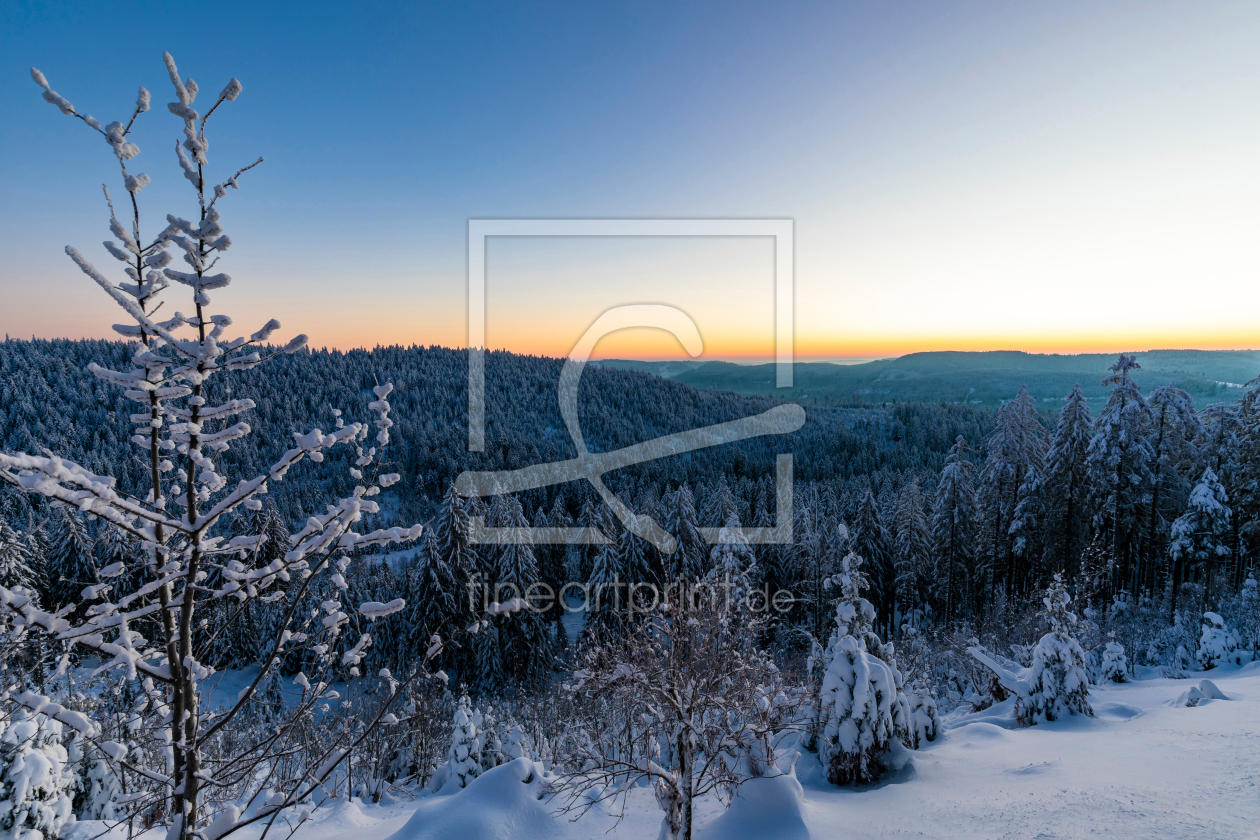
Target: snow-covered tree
1058 683
925 718
912 548
15 559
184 424
1199 540
733 566
1242 612
68 562
1174 428
1016 448
1053 515
1119 464
1115 665
1218 644
36 778
873 544
954 527
681 520
858 688
682 701
463 759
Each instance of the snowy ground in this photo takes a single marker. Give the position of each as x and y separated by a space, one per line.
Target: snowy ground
1143 768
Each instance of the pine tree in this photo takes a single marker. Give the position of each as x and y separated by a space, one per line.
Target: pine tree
1218 644
457 558
872 543
606 600
463 760
912 542
858 689
36 779
1058 681
524 639
1223 447
680 520
954 526
437 599
1174 429
1057 499
721 505
1119 464
1015 449
68 563
15 559
1199 541
733 567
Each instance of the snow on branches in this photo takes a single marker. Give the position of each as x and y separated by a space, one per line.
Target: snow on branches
184 425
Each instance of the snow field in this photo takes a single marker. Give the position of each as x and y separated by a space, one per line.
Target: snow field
1143 767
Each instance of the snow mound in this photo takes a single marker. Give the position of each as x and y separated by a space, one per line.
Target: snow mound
1204 691
770 806
505 803
980 735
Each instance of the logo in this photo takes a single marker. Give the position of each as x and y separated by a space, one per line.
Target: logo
592 466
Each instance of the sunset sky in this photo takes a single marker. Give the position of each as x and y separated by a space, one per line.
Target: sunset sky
1057 177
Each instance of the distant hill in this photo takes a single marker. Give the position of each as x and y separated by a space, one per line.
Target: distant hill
973 378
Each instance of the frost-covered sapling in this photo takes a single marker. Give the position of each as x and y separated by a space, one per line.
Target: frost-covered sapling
1058 683
1218 645
858 689
37 779
1115 665
183 425
682 701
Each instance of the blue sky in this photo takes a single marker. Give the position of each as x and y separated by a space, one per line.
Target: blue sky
962 176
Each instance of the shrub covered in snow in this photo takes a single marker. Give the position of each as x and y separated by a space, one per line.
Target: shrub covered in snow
858 690
925 720
1218 645
1242 613
1058 684
36 779
463 760
1115 665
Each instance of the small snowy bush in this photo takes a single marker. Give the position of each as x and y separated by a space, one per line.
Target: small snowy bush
1058 684
1218 645
1242 613
858 690
1115 665
36 779
925 720
463 760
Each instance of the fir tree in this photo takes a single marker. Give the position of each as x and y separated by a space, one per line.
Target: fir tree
872 543
15 559
1058 682
680 520
1174 428
36 779
1119 464
912 542
68 564
1015 449
1199 541
1056 497
954 525
858 689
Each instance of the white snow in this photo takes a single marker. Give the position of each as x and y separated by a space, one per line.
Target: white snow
1142 767
1145 766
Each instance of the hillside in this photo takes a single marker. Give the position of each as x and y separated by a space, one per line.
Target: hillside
973 378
